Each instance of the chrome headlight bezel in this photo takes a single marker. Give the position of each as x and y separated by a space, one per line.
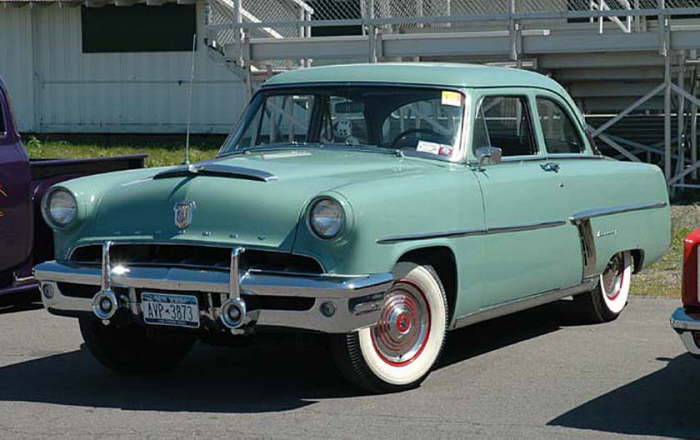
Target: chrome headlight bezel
314 225
48 211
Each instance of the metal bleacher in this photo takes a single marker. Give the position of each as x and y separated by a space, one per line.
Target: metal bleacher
631 65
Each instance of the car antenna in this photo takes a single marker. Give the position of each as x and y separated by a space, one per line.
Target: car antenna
189 103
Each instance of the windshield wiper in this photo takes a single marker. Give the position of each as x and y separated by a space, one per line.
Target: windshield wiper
216 170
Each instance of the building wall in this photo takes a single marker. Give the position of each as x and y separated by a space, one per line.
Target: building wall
57 88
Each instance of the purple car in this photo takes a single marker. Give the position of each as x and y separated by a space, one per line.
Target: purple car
25 240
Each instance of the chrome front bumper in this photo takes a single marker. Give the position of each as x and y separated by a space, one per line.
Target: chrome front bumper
355 300
685 325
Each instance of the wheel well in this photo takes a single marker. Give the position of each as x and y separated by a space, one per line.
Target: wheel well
443 261
638 258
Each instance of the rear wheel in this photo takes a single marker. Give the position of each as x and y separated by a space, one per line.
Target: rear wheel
609 298
129 348
401 349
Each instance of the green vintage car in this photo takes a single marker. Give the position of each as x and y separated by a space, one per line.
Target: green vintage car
382 204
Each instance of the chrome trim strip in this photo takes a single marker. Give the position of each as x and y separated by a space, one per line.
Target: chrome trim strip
599 212
528 227
521 304
429 235
468 232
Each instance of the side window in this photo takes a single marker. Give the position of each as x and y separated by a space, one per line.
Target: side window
504 122
560 133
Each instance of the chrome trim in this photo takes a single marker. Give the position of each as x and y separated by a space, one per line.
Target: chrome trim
527 227
430 235
216 170
685 325
599 212
589 255
359 297
193 243
521 304
468 232
234 275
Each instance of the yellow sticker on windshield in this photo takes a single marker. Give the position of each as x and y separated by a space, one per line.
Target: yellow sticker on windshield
451 98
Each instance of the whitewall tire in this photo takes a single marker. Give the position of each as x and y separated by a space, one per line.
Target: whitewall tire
399 352
609 298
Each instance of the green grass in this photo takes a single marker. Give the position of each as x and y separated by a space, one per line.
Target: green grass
662 278
162 150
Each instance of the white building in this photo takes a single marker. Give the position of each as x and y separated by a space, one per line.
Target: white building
113 69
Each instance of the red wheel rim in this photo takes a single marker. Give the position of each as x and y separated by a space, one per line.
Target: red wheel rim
403 329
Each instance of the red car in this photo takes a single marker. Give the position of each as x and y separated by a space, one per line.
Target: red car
686 320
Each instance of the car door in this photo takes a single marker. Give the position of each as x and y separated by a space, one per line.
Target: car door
529 247
15 201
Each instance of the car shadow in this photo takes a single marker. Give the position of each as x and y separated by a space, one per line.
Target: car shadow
665 403
277 373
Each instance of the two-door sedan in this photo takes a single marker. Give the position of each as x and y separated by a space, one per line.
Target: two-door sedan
383 204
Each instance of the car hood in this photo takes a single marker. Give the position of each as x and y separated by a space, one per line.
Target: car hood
252 199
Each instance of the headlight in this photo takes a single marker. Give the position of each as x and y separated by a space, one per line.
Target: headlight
60 207
326 218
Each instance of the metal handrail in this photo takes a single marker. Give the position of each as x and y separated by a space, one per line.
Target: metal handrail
505 17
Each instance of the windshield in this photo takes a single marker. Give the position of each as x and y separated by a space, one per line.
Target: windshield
412 120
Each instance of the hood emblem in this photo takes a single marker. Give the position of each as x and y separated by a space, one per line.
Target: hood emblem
183 213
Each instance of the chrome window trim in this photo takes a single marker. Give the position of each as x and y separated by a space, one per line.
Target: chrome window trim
600 212
468 232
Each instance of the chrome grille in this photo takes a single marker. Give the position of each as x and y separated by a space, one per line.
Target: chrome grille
192 256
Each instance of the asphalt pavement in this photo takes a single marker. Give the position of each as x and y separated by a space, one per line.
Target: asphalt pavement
538 374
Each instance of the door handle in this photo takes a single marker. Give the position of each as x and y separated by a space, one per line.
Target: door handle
550 166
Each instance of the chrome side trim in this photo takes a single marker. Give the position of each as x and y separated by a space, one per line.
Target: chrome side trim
589 255
521 304
529 227
430 235
599 212
468 232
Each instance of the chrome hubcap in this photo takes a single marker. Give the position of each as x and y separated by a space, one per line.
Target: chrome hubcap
404 325
613 276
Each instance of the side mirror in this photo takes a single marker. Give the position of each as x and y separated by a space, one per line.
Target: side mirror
490 154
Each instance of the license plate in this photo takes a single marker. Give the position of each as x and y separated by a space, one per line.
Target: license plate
172 310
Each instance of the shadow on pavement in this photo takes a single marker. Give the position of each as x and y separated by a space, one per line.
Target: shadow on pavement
276 374
664 403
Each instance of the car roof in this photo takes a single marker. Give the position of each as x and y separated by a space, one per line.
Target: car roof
441 74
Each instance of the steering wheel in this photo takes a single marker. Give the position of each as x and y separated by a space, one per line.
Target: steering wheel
405 133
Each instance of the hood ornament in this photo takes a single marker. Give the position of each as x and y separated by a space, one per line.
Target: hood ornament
183 213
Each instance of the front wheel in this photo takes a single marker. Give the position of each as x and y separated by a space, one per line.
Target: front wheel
130 349
609 298
401 349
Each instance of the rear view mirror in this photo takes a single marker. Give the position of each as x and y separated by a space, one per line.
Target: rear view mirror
488 155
